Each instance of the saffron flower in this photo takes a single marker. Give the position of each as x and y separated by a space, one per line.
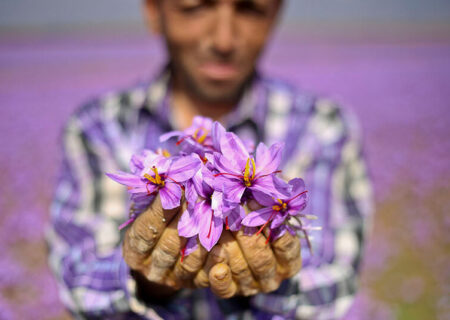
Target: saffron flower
277 210
219 174
159 174
190 246
239 171
204 217
195 139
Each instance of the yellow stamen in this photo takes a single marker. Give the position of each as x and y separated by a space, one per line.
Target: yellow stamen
157 179
202 138
247 173
194 135
166 153
281 207
149 177
254 168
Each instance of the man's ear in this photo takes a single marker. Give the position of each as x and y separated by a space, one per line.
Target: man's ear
152 14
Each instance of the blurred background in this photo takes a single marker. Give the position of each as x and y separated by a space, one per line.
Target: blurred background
388 60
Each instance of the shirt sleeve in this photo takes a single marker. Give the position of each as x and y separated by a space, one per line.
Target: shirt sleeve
332 162
83 237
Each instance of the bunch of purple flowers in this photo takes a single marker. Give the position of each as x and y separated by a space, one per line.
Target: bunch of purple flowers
219 174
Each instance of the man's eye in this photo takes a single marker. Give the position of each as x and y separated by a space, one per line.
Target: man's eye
200 5
249 7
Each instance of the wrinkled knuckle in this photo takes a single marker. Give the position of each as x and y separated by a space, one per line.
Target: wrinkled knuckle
247 241
163 259
140 238
191 265
240 269
287 244
201 280
217 255
166 251
263 262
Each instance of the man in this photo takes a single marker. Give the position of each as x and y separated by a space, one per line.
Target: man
213 47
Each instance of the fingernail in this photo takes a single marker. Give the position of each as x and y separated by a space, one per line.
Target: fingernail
221 275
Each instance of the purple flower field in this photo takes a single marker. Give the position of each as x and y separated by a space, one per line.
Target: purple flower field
400 92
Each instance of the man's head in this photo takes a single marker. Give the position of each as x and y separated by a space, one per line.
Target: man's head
213 44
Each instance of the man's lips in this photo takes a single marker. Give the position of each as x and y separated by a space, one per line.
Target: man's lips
218 71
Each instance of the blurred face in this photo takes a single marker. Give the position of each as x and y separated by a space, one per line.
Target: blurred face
213 44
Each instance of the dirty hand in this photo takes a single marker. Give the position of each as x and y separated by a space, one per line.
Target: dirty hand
247 264
151 248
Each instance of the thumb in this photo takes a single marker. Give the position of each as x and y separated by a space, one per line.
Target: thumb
221 282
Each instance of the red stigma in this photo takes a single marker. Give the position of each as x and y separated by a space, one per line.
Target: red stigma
183 253
297 195
267 222
268 238
180 141
210 225
230 174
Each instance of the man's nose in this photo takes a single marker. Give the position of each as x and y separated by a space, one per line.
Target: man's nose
224 35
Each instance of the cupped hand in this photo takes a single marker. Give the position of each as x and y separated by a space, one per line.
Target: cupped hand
247 264
151 248
240 264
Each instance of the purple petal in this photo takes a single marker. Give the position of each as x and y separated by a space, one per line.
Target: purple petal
278 219
197 183
235 217
184 168
217 132
282 187
189 224
265 185
160 162
200 122
169 135
217 202
170 195
126 179
206 182
146 188
137 164
268 160
224 165
210 228
141 201
190 192
233 190
227 205
298 204
258 217
191 146
234 149
207 176
263 198
191 246
297 185
278 232
299 197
